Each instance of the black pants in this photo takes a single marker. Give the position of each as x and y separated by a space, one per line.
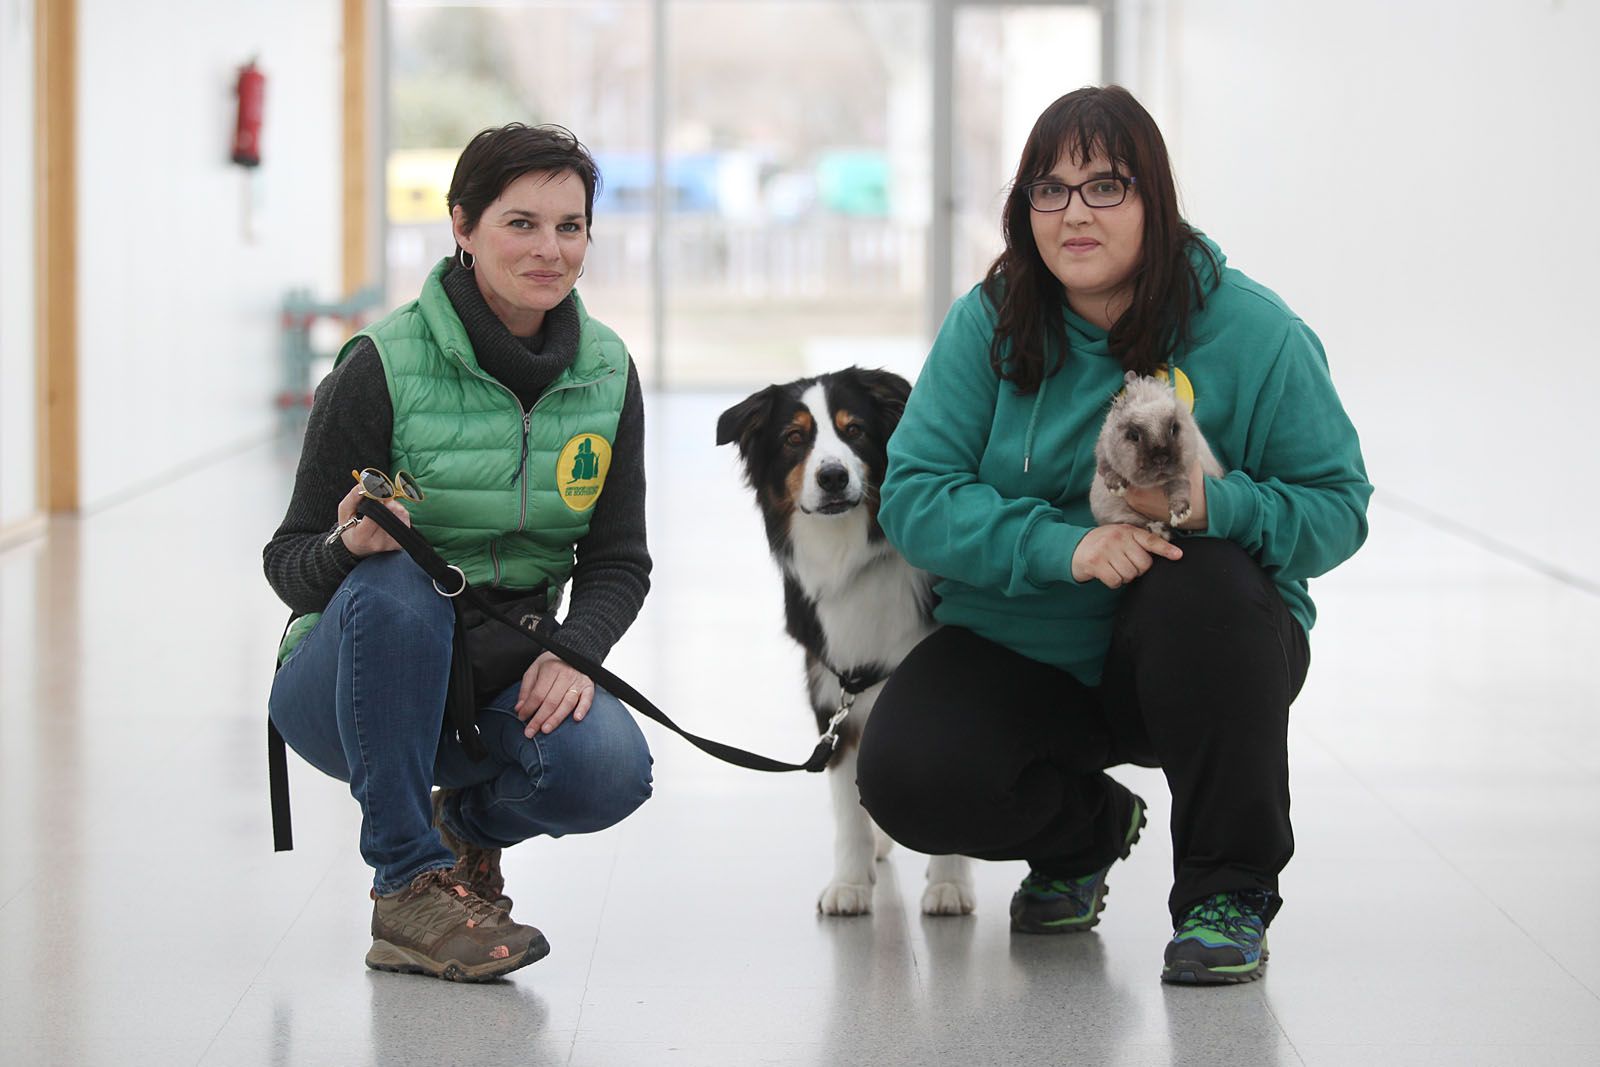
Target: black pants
974 749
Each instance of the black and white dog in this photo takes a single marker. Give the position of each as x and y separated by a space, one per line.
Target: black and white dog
814 451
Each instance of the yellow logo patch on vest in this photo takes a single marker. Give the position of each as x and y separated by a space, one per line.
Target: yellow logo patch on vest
581 470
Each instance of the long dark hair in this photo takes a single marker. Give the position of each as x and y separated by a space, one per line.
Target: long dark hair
1166 287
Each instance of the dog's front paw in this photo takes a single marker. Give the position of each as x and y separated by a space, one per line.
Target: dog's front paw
948 898
1179 517
1116 488
1159 528
845 898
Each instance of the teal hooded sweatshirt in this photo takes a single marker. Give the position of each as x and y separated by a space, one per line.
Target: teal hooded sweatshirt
988 490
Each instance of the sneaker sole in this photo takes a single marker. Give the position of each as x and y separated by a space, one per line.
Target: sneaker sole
1189 973
1089 922
386 956
1062 926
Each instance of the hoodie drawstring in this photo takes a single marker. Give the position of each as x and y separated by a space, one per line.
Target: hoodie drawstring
1033 421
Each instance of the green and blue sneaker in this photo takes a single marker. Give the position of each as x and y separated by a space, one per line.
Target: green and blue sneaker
1044 904
1222 939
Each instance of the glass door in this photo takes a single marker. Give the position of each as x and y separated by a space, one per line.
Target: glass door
797 150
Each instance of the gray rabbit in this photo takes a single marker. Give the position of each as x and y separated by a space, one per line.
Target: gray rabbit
1148 440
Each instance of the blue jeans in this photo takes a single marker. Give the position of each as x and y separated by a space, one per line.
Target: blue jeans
361 698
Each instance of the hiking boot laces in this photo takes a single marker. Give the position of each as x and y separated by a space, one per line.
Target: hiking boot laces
479 911
1235 916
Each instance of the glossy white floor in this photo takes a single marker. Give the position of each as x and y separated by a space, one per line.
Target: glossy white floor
1441 910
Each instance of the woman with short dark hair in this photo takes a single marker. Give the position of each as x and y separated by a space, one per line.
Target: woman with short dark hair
1066 647
512 425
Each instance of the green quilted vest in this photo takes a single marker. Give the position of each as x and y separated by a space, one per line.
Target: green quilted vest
507 494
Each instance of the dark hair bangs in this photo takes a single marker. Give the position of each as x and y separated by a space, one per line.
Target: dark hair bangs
498 156
1081 132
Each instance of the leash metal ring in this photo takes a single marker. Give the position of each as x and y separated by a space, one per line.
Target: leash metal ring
462 588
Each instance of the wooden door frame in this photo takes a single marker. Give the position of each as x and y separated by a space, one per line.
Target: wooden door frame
358 142
55 242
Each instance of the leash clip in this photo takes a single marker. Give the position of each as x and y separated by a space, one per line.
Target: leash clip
341 528
831 734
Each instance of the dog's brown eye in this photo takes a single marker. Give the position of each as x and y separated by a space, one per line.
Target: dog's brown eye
851 431
794 438
1133 435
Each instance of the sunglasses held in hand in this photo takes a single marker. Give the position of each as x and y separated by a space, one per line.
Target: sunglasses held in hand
376 485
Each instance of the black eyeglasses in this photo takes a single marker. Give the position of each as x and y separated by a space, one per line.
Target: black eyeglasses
1050 195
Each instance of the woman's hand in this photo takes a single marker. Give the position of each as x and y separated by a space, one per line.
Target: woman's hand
1118 554
552 690
368 538
1153 503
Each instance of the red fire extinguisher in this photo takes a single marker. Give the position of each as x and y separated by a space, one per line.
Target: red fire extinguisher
251 88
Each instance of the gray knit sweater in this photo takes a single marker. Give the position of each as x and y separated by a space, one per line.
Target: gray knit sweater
350 426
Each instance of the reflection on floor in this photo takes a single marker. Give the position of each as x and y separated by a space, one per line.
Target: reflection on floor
1446 758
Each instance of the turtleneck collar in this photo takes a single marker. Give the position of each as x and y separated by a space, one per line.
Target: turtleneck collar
526 366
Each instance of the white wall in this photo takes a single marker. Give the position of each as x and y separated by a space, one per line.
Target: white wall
1416 178
178 324
18 437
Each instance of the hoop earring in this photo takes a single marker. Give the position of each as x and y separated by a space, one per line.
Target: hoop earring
465 258
582 269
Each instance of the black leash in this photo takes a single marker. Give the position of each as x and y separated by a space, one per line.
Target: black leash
449 581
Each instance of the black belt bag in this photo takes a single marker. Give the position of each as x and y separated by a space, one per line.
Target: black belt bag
488 656
496 654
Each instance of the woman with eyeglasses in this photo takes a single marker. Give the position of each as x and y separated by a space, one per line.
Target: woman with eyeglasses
1067 648
519 424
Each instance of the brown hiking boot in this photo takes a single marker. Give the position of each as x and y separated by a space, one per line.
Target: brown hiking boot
436 926
477 868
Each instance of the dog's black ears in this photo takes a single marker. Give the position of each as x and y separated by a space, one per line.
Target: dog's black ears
746 418
889 389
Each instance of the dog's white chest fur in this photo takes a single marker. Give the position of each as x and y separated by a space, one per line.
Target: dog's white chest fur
872 604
